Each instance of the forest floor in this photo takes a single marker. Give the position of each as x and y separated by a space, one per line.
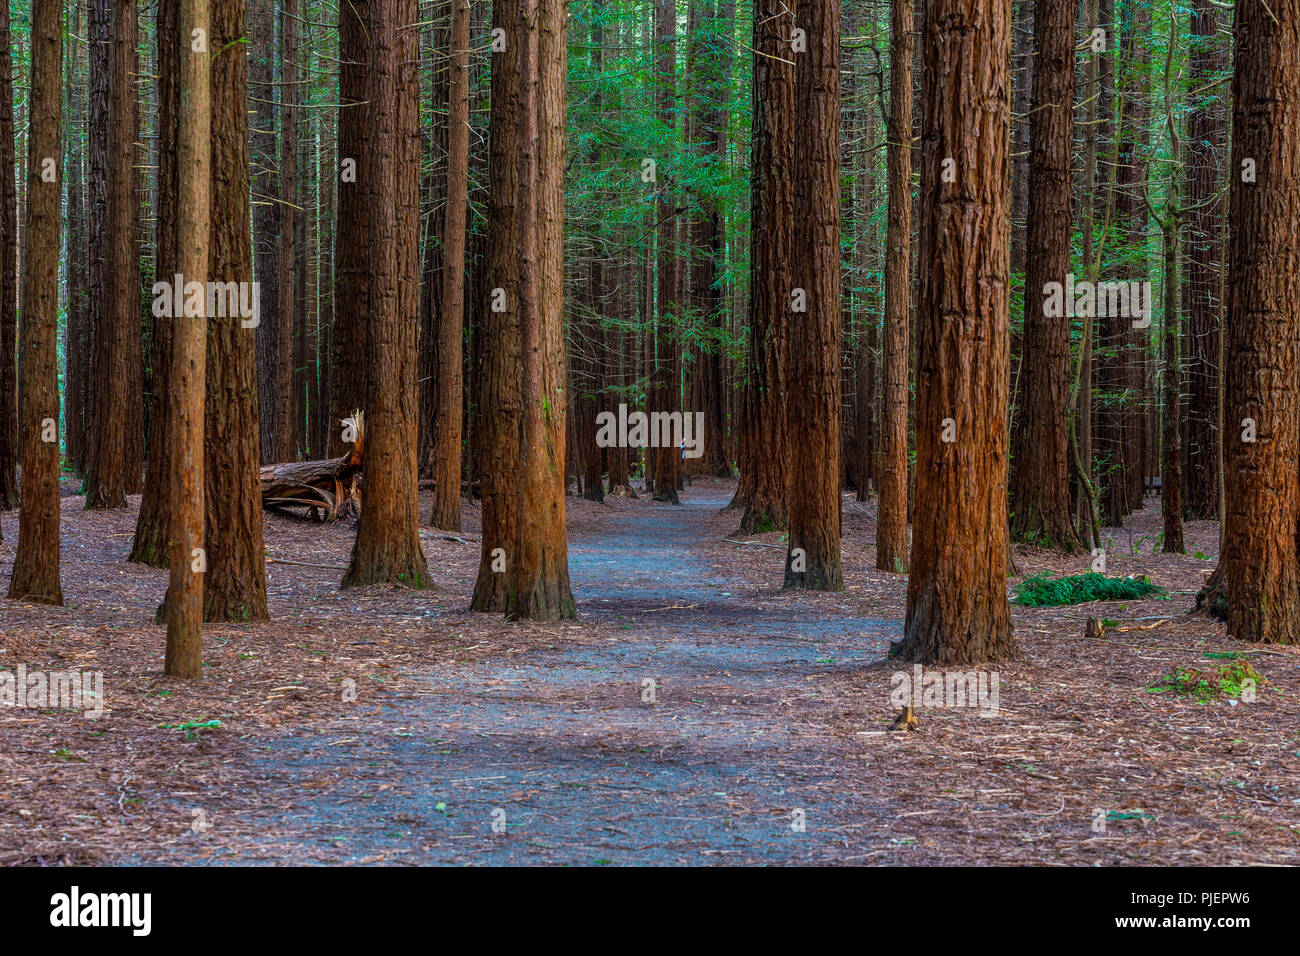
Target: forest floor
396 727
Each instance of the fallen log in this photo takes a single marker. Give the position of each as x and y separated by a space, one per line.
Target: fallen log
327 487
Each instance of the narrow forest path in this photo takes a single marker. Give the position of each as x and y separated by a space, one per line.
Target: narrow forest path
562 747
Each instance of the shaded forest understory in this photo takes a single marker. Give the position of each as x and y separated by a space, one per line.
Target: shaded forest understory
768 701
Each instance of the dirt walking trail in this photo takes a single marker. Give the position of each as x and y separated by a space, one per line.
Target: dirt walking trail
696 713
670 743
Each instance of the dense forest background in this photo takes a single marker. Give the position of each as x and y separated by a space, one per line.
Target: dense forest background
708 187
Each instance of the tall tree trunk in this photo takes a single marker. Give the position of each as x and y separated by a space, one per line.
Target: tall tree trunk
266 219
813 387
666 374
387 547
891 521
957 608
9 437
1205 156
1261 401
447 431
115 467
187 378
539 564
151 542
1040 502
765 451
99 63
351 266
35 575
285 437
234 586
499 404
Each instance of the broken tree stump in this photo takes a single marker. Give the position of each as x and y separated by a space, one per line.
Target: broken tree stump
327 488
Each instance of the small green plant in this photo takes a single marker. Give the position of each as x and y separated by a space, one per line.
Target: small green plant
192 727
1206 684
1041 590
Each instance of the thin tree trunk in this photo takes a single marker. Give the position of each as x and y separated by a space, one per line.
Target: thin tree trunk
891 522
351 266
35 575
187 378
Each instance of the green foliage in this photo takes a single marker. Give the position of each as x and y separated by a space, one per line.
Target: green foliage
1206 684
1041 590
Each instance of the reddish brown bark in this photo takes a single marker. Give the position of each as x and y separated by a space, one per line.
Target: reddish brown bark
9 437
764 443
150 544
114 470
813 386
234 587
891 521
188 373
957 609
499 408
351 266
1040 500
450 314
387 547
539 567
1205 154
1259 557
35 575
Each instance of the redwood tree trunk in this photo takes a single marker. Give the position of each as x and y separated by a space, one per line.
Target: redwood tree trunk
115 467
450 315
764 452
234 587
1259 558
891 521
266 219
813 388
8 278
387 547
539 566
957 609
665 385
1040 505
187 377
351 266
150 544
35 575
1205 156
499 408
